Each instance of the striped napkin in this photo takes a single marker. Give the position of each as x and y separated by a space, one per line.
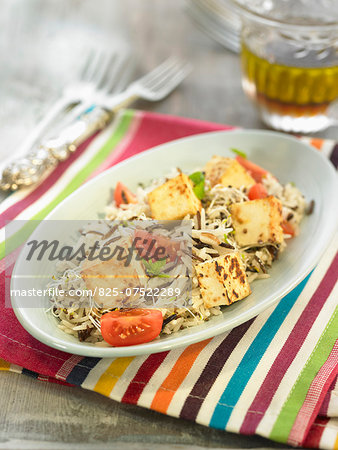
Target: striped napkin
275 375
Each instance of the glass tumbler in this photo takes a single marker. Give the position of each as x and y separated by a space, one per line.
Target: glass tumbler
289 54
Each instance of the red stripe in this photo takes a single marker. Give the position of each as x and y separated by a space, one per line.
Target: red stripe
63 383
17 208
211 371
144 374
290 349
67 367
18 346
315 434
325 405
168 128
316 393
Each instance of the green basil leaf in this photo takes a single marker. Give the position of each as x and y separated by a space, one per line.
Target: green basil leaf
154 267
199 190
198 179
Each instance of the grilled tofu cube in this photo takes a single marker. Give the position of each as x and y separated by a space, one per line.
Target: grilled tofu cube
101 277
222 280
174 199
215 168
258 221
227 171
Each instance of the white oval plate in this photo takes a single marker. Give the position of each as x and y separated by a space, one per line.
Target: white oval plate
286 157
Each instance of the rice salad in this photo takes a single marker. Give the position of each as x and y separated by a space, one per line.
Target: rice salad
225 188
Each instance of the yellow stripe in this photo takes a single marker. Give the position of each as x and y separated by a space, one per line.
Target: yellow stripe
4 365
335 447
110 376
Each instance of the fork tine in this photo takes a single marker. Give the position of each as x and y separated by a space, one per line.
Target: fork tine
119 75
152 80
175 80
93 67
102 68
87 64
158 71
167 76
93 58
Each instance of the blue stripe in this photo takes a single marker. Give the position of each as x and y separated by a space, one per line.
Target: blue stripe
252 358
88 110
81 370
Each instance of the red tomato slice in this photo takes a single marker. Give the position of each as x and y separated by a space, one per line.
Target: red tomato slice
254 170
148 245
121 328
287 228
123 195
257 191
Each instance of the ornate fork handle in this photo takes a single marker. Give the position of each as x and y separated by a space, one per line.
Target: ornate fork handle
153 86
40 161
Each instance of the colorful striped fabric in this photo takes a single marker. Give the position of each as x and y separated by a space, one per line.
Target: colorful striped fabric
275 375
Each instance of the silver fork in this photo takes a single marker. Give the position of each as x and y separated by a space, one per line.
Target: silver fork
113 76
154 86
107 71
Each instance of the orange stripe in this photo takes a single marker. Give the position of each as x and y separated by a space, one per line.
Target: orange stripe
4 365
176 376
316 142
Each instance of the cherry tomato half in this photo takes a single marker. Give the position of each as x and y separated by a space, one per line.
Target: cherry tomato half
287 228
131 326
123 195
147 244
254 170
257 191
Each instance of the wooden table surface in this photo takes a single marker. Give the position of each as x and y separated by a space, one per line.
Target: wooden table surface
38 415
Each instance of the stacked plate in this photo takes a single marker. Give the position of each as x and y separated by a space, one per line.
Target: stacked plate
216 19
